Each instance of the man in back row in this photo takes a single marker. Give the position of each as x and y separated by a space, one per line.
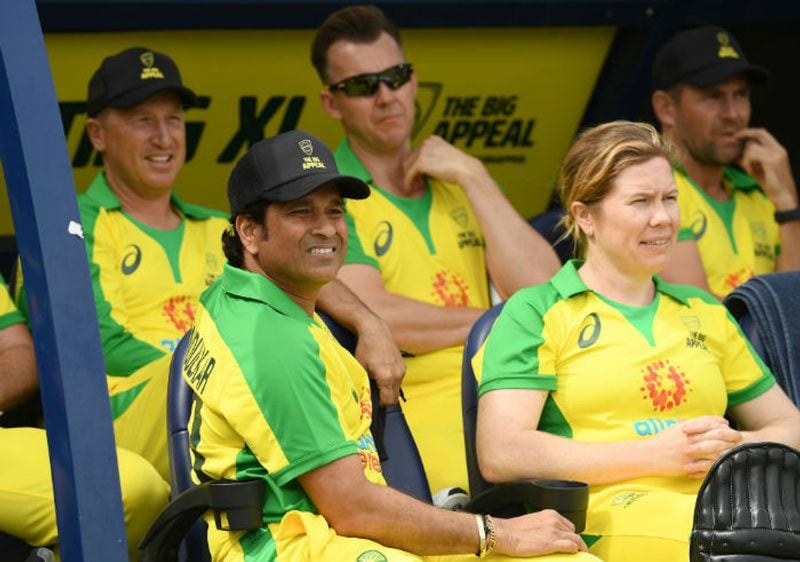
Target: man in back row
737 196
436 224
293 408
151 254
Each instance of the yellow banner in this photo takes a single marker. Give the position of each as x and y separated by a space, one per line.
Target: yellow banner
511 96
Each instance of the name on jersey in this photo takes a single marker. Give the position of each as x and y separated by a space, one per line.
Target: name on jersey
199 364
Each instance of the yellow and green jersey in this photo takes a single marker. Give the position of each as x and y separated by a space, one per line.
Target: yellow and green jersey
616 372
146 281
738 238
9 315
622 373
275 397
430 249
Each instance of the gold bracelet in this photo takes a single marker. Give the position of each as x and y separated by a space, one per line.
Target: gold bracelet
481 534
491 534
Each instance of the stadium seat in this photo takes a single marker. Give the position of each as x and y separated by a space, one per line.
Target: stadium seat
13 549
547 224
400 461
469 396
747 507
767 308
178 533
509 499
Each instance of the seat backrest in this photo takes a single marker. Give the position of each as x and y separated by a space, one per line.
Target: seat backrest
401 462
179 408
748 507
469 396
767 308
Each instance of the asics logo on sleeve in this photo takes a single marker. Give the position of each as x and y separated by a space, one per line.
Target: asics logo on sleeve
131 259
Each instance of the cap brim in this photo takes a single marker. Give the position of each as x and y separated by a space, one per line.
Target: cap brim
349 187
721 72
188 97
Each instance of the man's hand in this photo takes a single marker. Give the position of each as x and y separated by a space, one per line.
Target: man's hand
767 161
537 534
379 355
437 158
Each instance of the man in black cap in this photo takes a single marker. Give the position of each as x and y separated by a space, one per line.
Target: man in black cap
737 196
284 402
152 254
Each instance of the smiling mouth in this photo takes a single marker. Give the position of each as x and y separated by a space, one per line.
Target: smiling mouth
656 243
159 159
322 251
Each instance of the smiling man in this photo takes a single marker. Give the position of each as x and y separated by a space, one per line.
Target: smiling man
738 199
280 400
435 231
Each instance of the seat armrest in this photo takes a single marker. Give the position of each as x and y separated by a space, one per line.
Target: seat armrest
236 505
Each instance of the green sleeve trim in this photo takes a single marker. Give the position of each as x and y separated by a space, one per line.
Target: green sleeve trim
11 319
685 234
753 391
311 462
355 250
530 382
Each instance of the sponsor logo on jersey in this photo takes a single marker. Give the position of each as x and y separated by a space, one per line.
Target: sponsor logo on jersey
179 311
698 225
590 330
468 239
696 340
460 215
131 260
383 239
368 453
371 556
651 426
450 289
736 278
664 385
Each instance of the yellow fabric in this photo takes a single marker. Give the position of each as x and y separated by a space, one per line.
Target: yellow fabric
451 274
634 520
305 537
732 252
26 490
142 427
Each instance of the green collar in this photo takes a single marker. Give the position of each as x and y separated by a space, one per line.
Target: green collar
100 192
253 286
568 283
349 164
735 176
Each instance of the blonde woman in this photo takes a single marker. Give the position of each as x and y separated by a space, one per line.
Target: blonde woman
607 374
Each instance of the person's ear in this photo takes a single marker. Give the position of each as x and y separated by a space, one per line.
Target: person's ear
97 134
664 106
249 233
582 214
329 104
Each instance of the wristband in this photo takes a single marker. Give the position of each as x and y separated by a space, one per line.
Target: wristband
491 534
481 534
786 216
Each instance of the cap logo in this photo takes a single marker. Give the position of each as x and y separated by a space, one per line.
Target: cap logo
306 147
726 50
149 71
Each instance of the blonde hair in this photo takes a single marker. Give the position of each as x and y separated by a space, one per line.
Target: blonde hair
596 158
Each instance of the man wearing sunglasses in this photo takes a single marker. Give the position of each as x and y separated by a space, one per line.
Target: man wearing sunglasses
421 246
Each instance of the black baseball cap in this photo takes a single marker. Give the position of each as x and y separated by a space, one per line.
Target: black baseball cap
287 167
131 76
703 56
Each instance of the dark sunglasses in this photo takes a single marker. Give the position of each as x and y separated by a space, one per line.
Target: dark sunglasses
367 84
